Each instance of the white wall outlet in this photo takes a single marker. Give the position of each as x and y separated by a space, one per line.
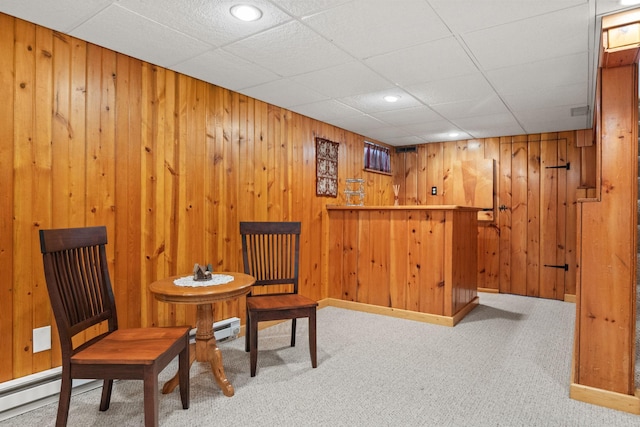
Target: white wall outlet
41 339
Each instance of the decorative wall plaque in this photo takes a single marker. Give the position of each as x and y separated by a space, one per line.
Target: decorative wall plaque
326 168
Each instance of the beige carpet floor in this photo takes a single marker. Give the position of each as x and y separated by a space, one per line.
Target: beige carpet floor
506 364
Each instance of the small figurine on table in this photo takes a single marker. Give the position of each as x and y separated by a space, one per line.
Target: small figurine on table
201 273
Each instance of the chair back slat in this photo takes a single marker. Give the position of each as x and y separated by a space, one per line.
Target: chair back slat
78 283
270 252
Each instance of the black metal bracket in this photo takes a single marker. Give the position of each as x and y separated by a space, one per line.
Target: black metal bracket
564 267
567 166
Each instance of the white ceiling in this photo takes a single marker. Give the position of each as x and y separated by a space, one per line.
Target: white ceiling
480 68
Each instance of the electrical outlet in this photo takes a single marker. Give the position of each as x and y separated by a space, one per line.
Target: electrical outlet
434 191
41 339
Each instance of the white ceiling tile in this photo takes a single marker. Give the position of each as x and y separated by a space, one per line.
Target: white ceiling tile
408 116
289 49
60 15
529 40
283 93
439 129
206 20
459 88
484 126
434 60
486 14
359 124
541 75
326 110
226 70
305 8
139 37
365 28
557 118
534 98
348 79
491 104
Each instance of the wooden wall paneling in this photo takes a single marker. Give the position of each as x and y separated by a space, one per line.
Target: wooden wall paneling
606 308
42 181
562 246
411 178
246 163
504 214
571 215
100 162
24 135
363 269
398 258
519 216
350 257
9 86
176 188
449 153
435 173
120 273
533 216
151 309
550 279
128 241
432 262
379 293
422 176
488 232
415 261
335 253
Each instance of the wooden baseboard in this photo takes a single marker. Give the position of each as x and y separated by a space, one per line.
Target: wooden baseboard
489 290
569 298
400 313
606 398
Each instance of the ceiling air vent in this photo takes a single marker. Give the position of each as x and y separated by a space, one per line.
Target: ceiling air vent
580 111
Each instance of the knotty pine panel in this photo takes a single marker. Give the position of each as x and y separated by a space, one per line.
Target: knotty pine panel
510 255
168 163
7 150
606 310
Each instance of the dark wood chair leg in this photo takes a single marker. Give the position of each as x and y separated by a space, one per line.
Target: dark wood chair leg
105 400
65 400
247 333
184 367
312 339
253 355
151 391
293 332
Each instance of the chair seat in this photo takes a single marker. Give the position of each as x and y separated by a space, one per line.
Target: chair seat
136 346
279 302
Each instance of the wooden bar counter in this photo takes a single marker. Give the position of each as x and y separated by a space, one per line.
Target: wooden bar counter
418 259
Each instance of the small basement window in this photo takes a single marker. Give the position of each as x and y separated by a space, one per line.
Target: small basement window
376 158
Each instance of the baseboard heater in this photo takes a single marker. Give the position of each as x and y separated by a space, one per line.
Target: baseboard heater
33 391
224 329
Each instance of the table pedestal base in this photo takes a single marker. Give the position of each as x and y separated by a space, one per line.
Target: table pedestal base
205 350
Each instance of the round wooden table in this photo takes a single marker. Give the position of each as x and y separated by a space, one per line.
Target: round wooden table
205 348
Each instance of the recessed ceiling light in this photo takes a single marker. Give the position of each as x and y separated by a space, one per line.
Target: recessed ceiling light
629 2
453 134
391 98
245 12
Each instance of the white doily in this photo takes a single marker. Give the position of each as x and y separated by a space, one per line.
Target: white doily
216 279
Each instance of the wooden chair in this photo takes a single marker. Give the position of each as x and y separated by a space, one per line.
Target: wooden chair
77 276
270 252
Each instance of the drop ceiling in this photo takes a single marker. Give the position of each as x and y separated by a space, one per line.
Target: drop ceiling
463 69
